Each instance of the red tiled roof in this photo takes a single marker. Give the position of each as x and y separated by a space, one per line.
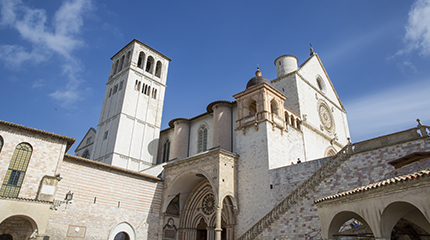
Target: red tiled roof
380 184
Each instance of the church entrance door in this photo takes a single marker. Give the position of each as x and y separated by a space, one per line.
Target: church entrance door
202 232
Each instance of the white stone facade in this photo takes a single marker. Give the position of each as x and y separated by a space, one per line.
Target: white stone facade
129 125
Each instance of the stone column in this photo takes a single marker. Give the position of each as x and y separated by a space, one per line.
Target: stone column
211 233
218 228
180 138
222 131
229 232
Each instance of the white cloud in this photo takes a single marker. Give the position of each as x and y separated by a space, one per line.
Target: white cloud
39 83
417 37
15 55
389 111
62 39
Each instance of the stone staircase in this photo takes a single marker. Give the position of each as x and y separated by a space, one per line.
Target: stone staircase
421 131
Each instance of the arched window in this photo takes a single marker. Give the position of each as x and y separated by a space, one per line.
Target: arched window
120 85
121 64
166 150
137 85
202 143
158 69
286 117
298 123
321 84
116 67
154 93
1 143
16 171
128 57
274 107
122 236
140 60
292 120
252 107
149 64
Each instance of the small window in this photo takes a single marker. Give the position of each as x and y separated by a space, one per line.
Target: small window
154 93
115 89
321 84
149 64
166 151
120 85
292 121
116 67
298 123
286 117
148 90
122 236
274 107
252 108
106 135
158 69
140 60
16 171
127 59
121 64
110 92
143 88
202 143
137 85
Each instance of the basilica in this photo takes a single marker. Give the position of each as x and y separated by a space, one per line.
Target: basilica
275 163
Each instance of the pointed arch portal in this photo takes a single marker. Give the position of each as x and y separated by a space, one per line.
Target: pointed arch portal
206 207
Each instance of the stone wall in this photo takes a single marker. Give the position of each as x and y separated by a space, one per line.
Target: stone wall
103 197
286 179
302 221
46 157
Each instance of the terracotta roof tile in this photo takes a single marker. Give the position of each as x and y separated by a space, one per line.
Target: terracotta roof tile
383 183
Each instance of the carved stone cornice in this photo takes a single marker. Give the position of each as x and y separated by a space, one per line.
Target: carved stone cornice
208 156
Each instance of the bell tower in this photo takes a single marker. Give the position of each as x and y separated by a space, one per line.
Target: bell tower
130 119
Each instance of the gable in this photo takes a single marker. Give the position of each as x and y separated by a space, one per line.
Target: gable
87 140
314 74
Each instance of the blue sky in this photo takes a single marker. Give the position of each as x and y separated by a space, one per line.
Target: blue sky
55 55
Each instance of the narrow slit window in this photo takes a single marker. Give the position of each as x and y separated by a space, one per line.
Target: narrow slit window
202 139
154 93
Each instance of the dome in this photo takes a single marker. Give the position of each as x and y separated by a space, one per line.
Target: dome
258 79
